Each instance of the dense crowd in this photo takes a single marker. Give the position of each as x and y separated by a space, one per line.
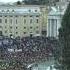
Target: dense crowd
34 49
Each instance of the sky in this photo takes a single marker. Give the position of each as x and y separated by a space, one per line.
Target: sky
6 1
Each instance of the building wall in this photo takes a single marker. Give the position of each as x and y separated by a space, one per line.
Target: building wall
44 20
54 23
64 0
55 16
22 23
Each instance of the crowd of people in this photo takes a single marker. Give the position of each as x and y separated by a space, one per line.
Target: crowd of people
34 49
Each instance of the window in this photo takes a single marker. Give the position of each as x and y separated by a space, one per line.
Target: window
37 27
29 10
2 10
7 10
30 27
16 16
11 35
12 10
16 27
16 21
24 20
16 32
5 16
1 33
10 27
24 27
35 10
24 32
11 21
37 20
30 20
11 16
10 32
24 15
37 15
6 31
0 16
31 16
0 26
5 20
0 20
